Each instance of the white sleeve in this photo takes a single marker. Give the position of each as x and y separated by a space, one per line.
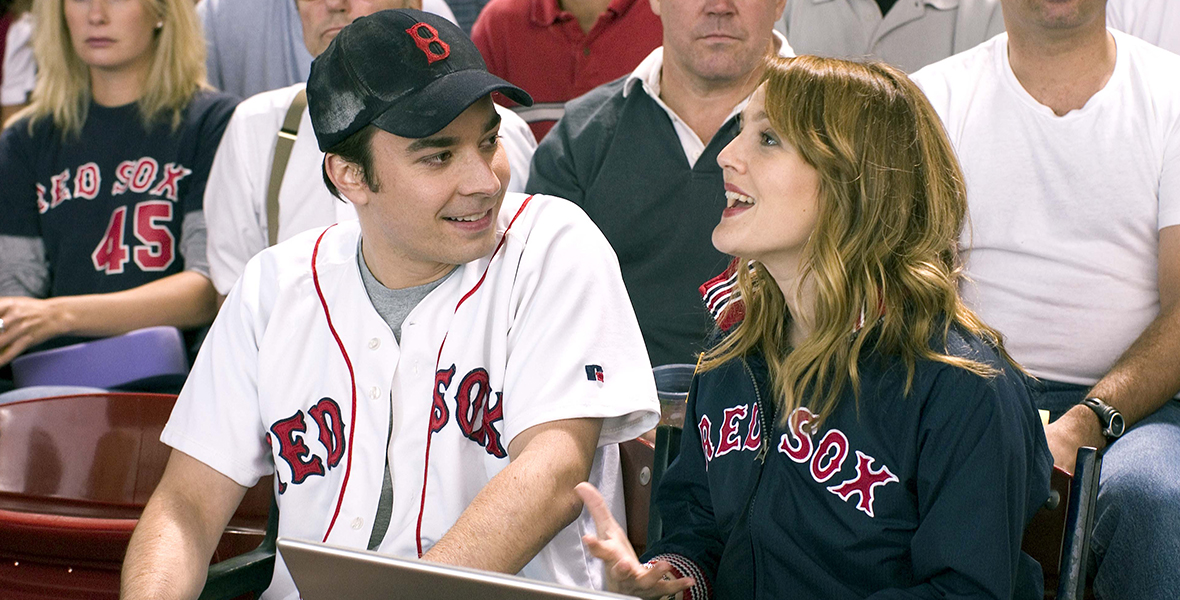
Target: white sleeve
520 144
233 221
574 349
216 419
1169 198
20 71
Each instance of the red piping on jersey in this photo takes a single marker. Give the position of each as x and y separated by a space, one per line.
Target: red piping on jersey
429 432
315 277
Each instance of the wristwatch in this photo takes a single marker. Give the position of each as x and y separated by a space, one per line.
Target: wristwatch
1111 419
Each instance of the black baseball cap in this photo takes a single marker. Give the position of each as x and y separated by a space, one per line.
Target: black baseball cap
406 71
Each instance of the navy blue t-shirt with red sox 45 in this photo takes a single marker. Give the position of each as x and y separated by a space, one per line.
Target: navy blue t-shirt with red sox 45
109 203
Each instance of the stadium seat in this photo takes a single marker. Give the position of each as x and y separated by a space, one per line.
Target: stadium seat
249 573
1058 536
637 459
75 474
152 356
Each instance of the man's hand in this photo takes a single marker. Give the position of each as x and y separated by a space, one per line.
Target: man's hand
27 322
624 573
1078 427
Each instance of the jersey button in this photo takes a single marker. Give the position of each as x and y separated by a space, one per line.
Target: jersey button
357 523
374 392
374 344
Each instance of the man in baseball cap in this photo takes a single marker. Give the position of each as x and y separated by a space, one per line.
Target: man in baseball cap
253 199
407 72
430 380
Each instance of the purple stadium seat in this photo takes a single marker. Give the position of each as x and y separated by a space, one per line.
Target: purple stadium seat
115 362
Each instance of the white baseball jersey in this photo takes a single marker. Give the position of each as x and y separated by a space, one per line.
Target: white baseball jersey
235 194
299 374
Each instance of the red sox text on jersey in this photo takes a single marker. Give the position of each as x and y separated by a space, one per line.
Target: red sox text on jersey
157 247
474 411
138 176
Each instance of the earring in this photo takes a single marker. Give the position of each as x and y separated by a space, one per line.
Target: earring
159 24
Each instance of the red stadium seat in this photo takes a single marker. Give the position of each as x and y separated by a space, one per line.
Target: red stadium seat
637 458
75 474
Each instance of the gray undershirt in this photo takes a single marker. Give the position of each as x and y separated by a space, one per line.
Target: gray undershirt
24 269
393 306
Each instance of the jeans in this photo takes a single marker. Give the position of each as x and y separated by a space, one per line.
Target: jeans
1136 541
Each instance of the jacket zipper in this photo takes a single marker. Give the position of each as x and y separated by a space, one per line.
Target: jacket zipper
762 452
762 416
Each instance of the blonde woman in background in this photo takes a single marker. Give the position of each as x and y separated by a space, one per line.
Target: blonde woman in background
101 177
856 432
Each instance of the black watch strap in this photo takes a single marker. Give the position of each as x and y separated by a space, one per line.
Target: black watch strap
1111 419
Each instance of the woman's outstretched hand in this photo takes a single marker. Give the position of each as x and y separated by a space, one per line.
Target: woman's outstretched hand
624 573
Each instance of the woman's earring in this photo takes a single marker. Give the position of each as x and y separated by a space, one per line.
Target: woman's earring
159 24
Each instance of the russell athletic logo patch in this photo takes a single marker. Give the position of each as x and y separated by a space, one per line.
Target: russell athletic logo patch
594 373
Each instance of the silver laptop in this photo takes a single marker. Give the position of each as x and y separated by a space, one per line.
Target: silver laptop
323 572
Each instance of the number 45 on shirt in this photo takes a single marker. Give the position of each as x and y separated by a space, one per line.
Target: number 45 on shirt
155 253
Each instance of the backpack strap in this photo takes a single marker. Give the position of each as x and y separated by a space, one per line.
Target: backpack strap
278 167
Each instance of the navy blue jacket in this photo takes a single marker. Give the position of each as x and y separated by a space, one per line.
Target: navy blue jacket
918 496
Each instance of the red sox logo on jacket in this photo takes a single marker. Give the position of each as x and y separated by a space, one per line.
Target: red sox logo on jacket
824 458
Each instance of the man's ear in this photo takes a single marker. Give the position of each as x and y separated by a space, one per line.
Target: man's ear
414 4
348 178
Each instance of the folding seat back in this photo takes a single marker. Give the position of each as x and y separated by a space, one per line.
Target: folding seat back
75 474
1058 536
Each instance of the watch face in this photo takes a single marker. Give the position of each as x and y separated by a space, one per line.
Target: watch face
1116 425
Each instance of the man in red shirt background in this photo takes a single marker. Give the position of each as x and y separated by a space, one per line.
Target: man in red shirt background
558 50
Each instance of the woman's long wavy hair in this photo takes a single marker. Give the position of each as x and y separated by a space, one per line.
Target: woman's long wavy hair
892 203
62 91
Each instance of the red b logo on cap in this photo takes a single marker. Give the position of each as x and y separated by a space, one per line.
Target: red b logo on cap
426 37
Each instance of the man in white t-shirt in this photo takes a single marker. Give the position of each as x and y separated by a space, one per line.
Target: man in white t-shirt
236 193
430 380
1157 21
1069 136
